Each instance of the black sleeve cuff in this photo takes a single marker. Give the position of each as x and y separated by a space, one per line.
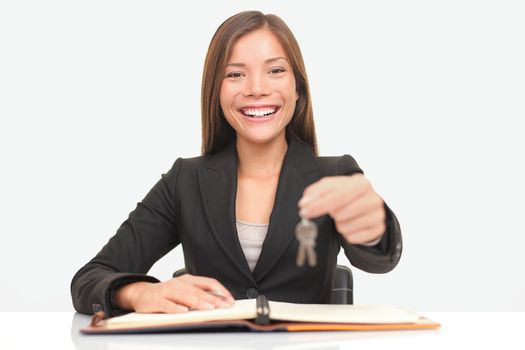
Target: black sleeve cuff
382 257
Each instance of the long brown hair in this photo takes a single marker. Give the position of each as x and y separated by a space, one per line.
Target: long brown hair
216 132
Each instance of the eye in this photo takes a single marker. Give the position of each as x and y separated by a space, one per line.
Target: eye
234 75
277 70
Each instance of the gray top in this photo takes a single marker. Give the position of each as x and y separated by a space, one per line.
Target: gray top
251 237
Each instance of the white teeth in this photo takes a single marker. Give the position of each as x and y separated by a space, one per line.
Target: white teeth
259 112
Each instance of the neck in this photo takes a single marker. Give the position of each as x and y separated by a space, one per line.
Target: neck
261 161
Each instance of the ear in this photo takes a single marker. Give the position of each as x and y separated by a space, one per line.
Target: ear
296 95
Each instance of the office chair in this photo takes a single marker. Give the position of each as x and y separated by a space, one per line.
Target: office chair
342 289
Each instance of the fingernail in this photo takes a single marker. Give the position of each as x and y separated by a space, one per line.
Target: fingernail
303 212
209 306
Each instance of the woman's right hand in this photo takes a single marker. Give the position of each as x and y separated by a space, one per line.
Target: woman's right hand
174 296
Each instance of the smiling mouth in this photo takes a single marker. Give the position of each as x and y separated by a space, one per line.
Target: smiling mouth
259 112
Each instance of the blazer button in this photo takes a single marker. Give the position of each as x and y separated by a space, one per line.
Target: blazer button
252 293
96 308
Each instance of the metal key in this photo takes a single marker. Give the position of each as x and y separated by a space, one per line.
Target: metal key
306 234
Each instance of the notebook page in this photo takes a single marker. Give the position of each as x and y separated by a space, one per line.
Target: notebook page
241 309
340 313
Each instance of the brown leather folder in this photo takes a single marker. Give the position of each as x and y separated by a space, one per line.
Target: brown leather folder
266 317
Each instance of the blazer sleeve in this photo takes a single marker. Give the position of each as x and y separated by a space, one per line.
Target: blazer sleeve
383 256
146 236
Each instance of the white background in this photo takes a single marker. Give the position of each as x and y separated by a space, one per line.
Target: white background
98 98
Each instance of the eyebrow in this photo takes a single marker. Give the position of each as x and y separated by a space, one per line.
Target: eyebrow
269 60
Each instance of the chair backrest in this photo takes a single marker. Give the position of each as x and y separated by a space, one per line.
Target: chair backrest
342 289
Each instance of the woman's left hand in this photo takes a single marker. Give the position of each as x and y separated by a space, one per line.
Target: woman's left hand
357 210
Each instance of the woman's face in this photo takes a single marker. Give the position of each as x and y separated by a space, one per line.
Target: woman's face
258 91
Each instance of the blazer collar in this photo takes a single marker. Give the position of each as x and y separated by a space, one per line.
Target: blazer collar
218 186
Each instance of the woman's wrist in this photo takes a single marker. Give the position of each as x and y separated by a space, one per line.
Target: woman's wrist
372 243
125 296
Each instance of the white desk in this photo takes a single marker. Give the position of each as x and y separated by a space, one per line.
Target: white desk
459 330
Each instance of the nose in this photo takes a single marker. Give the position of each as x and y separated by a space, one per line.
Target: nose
256 85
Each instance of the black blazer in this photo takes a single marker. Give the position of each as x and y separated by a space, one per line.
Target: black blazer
194 204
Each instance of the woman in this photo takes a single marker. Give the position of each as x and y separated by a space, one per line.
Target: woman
234 209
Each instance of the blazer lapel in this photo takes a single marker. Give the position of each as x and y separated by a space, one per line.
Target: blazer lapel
218 186
299 169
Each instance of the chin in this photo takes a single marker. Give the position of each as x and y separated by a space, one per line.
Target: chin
261 139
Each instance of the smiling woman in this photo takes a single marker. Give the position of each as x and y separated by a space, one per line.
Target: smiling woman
252 55
258 94
235 207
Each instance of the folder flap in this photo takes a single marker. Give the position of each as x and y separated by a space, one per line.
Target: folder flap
98 319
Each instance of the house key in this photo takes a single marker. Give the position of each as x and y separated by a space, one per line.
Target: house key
306 234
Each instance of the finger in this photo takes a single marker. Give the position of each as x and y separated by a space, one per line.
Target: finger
370 219
359 207
194 297
170 307
210 297
189 296
163 305
211 285
316 190
217 299
326 184
340 194
331 201
366 235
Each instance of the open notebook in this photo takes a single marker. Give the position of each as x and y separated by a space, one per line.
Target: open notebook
263 315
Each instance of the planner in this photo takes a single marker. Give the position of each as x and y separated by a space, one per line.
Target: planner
263 315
